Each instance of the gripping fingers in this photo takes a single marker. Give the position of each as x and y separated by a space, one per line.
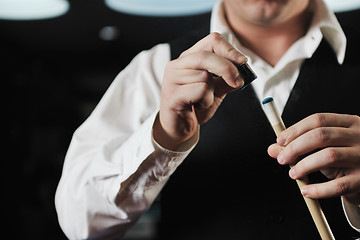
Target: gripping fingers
315 139
314 121
212 63
200 95
333 158
341 186
217 44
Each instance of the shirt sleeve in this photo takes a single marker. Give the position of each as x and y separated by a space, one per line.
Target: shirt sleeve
113 169
352 213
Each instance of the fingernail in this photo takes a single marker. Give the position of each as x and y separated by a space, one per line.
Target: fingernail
292 173
242 58
304 192
239 82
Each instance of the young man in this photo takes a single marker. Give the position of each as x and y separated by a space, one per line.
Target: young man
158 113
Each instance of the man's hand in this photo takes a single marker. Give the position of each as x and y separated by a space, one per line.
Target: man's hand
326 142
194 86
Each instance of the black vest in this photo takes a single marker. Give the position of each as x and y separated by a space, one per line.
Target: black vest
229 188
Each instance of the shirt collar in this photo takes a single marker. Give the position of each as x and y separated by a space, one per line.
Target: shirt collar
324 24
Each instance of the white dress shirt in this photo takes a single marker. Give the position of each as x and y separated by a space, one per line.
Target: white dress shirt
115 143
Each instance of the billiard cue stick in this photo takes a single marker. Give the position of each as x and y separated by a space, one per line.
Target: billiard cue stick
313 205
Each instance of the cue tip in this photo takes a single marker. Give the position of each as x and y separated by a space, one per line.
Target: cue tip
267 100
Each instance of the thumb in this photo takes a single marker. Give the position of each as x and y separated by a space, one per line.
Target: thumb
245 76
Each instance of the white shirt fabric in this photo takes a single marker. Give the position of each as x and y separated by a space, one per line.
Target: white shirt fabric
115 143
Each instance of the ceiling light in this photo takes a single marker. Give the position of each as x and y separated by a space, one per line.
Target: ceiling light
32 9
161 7
343 5
109 33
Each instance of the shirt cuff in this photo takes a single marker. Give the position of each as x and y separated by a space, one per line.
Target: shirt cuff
352 213
175 158
183 149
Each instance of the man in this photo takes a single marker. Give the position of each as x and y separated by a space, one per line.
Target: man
122 156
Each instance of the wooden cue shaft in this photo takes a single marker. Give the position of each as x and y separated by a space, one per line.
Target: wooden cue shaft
312 204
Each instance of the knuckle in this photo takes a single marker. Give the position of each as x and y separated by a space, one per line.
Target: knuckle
319 119
215 37
233 53
321 135
341 188
355 119
232 50
332 155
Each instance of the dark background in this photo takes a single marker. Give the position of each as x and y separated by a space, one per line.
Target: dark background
55 71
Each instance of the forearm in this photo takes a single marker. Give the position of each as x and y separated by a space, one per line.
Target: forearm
93 172
107 194
148 180
108 149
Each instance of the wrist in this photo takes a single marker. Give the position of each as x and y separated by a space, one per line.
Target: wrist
166 141
163 138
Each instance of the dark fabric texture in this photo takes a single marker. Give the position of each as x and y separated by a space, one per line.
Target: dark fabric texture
229 188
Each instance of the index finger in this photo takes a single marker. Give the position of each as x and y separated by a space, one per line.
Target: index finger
314 121
217 44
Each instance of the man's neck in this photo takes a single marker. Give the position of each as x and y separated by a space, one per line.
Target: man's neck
270 42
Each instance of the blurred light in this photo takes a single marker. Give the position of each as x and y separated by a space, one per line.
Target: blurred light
32 9
343 5
109 33
161 7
